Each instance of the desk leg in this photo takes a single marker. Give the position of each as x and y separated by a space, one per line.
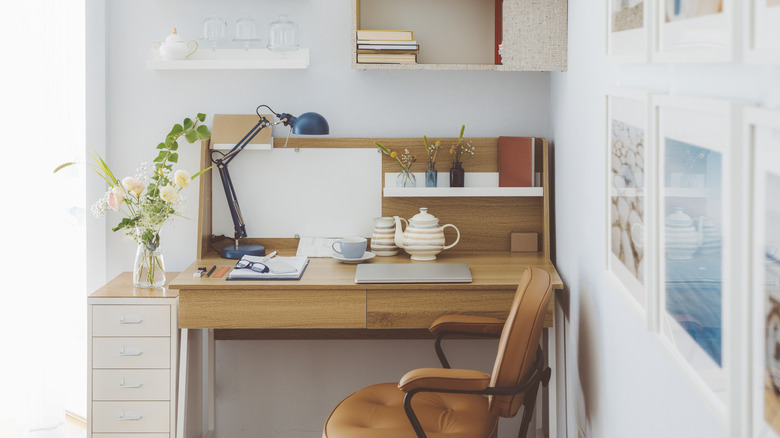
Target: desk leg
208 383
181 408
550 396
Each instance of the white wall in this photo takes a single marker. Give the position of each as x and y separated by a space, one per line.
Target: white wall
620 382
143 104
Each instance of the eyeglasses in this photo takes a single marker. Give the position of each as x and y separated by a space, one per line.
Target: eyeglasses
255 266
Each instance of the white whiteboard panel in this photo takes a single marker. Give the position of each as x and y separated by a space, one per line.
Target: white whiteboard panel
313 192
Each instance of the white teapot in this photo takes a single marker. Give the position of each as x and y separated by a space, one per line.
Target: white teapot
423 237
174 48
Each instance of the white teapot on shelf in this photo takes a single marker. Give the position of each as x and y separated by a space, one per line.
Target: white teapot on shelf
174 48
423 237
682 236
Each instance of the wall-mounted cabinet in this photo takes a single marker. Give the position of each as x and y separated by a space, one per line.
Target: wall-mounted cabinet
461 34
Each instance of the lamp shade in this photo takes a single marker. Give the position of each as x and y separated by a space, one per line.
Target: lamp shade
309 124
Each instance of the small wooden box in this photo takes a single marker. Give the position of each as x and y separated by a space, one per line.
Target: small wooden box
524 242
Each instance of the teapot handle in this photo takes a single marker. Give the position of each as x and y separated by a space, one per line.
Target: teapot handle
457 239
156 48
193 50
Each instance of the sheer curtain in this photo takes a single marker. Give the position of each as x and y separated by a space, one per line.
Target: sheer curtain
43 316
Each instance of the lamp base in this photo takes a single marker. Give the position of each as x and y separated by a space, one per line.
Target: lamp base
233 252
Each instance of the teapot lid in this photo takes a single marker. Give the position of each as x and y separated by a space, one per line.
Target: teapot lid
424 216
173 37
679 219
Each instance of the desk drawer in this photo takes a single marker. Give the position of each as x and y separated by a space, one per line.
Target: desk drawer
272 309
138 417
131 352
419 308
131 384
149 320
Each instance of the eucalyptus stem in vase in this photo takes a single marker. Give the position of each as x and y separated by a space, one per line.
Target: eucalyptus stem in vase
149 199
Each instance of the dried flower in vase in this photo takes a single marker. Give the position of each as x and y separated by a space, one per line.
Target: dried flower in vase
461 151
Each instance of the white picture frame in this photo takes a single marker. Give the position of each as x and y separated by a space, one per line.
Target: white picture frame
762 39
694 31
762 138
630 198
628 29
699 252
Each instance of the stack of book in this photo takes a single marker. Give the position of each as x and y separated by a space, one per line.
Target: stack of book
386 47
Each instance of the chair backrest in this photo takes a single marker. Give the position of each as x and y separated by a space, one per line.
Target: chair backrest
520 339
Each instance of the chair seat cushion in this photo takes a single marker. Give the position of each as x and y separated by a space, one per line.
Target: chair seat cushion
378 412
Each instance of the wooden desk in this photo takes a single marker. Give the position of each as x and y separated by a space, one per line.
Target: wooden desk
327 296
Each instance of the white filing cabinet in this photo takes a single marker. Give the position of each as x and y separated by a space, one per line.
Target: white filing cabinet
132 355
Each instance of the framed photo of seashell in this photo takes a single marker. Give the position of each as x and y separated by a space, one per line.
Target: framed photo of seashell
628 31
695 31
762 41
702 297
762 138
630 168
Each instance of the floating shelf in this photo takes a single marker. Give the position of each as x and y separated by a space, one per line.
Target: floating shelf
430 192
236 59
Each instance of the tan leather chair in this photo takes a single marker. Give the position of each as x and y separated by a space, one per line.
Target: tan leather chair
451 402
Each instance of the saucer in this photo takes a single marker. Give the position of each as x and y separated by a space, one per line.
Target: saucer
366 256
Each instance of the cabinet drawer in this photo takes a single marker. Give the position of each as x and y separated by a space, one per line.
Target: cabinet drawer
131 384
131 352
153 416
149 320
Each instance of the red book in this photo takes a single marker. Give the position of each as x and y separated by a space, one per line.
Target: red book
499 28
516 162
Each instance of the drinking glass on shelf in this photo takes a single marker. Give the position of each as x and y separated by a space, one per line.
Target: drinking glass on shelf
214 30
246 31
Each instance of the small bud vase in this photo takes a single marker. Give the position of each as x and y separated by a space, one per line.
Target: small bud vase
149 268
431 175
457 175
406 179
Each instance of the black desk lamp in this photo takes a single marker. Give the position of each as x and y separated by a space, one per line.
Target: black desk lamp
305 124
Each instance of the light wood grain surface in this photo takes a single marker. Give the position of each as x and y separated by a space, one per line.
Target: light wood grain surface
122 287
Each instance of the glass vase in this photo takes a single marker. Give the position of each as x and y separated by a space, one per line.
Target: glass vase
406 179
457 175
149 267
431 175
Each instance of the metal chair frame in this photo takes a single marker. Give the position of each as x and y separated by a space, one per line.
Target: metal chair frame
539 374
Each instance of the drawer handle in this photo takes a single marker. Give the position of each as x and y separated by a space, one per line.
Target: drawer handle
123 386
130 351
130 416
131 319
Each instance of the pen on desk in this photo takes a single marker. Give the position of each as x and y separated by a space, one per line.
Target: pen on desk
211 271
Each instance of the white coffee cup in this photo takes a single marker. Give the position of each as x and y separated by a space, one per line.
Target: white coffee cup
350 247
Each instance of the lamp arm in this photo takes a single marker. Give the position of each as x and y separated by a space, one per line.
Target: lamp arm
261 124
232 200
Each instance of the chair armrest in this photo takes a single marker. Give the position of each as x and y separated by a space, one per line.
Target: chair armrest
444 379
467 324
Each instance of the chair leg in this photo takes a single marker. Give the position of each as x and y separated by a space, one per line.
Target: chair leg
529 401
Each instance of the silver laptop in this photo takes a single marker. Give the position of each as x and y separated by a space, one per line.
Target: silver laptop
413 273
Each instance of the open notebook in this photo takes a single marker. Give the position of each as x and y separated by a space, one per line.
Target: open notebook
280 268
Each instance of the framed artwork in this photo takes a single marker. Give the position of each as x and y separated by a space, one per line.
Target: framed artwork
762 41
694 31
698 282
629 169
762 135
628 31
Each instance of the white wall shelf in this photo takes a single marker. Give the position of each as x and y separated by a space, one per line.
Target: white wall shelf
236 59
429 192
